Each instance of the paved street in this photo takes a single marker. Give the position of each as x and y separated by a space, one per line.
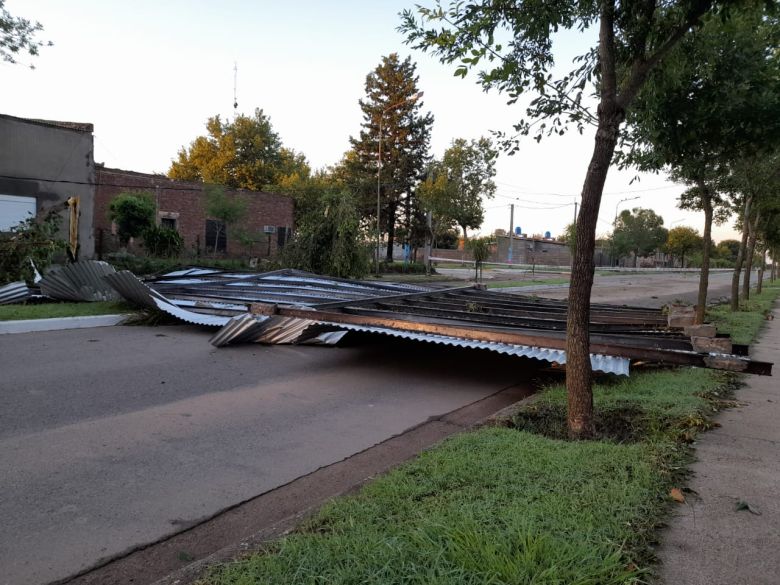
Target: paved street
114 437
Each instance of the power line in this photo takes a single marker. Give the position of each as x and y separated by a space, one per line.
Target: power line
522 191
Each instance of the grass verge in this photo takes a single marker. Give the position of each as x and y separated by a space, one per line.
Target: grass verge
52 310
744 325
518 504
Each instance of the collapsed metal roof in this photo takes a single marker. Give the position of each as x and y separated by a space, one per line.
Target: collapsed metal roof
292 306
207 296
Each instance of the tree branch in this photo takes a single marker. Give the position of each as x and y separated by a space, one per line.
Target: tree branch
588 115
642 67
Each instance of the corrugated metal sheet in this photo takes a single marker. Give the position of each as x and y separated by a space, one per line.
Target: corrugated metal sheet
285 330
131 288
602 363
242 329
80 281
14 292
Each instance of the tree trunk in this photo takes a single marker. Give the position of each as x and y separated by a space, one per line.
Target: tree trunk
751 250
704 275
740 256
760 281
391 209
578 368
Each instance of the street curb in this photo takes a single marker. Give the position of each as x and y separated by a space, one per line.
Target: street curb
282 514
60 323
455 420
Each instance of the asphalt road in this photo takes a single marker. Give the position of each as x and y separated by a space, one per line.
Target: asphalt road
112 438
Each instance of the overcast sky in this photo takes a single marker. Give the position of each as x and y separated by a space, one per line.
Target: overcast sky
148 74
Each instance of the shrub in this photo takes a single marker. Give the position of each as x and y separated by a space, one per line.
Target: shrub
30 240
133 214
163 241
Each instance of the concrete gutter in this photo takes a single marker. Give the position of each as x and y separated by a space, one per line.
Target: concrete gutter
33 325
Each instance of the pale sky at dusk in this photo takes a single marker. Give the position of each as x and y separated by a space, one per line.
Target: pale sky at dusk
148 74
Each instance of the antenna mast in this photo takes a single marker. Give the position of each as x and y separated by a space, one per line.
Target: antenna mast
235 84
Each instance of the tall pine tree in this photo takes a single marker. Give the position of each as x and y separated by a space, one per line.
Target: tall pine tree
391 91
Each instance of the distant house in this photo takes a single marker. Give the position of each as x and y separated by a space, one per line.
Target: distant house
48 165
43 165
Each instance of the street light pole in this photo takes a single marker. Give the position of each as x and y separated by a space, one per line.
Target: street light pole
412 98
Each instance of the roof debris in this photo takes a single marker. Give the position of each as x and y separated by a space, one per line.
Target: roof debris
292 306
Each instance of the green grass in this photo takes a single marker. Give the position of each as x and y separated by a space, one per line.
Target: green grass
51 310
491 506
656 406
745 324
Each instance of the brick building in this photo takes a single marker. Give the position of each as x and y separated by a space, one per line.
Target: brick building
180 205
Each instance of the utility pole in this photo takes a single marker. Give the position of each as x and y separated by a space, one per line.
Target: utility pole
428 242
511 231
574 233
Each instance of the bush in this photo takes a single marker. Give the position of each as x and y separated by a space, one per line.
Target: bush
400 267
133 214
30 240
163 242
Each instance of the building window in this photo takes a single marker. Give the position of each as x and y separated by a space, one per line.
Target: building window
216 236
168 222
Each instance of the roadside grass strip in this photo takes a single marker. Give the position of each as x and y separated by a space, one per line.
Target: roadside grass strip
520 505
55 310
745 324
490 506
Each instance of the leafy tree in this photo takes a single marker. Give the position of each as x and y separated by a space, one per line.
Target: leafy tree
754 183
31 240
456 185
515 41
243 154
17 36
569 236
727 250
329 239
133 214
682 240
229 210
716 99
392 102
639 231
